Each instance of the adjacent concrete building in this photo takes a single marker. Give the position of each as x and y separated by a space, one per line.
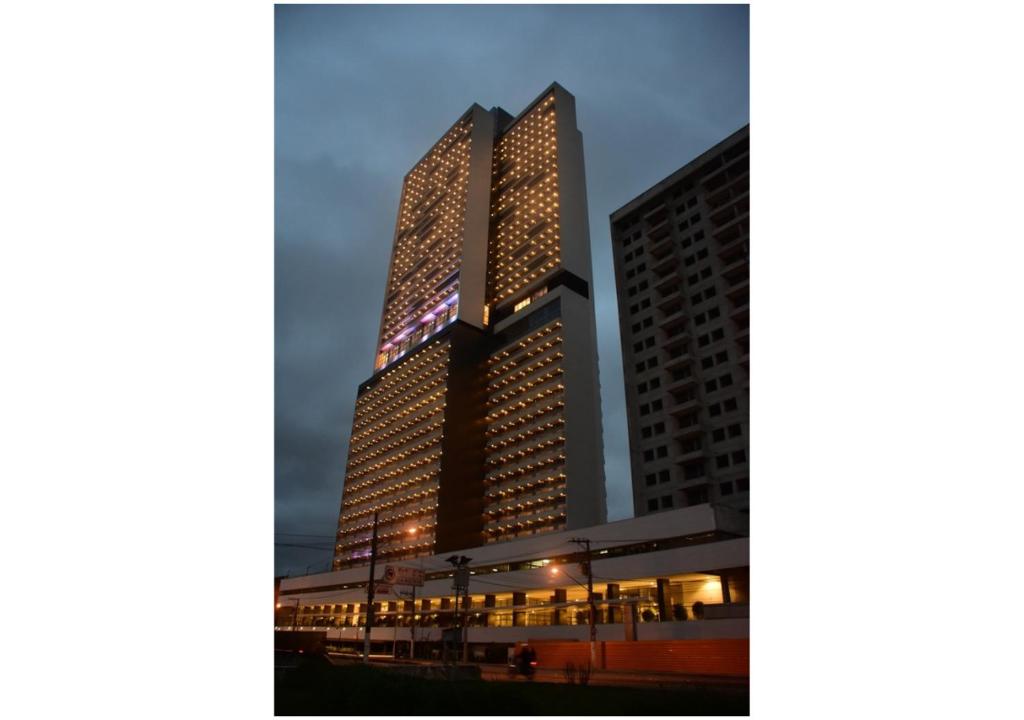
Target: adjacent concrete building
482 420
681 252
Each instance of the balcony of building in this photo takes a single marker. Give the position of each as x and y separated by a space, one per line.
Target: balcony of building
729 191
665 265
534 473
523 508
525 371
519 462
741 311
693 428
670 299
736 165
527 405
667 285
683 457
736 271
743 339
527 489
675 358
674 328
661 247
679 382
681 403
526 389
655 216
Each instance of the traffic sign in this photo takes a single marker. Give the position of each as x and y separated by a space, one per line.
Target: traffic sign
398 575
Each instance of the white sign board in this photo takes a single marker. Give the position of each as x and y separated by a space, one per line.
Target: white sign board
397 575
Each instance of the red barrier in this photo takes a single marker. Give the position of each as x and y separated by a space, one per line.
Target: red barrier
729 657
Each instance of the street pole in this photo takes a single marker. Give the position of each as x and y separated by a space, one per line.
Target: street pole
465 621
412 628
461 576
295 614
394 635
369 592
590 601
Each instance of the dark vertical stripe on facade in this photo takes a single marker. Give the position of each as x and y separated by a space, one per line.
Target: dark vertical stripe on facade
460 497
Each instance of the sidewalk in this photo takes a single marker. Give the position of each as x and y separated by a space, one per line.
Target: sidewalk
622 678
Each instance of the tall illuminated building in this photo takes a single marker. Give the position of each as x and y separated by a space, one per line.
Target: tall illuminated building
482 420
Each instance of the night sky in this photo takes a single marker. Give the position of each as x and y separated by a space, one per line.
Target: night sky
362 92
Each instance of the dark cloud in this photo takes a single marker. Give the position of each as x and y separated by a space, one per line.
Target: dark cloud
361 92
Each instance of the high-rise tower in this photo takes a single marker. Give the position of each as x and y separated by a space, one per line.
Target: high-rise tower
482 420
682 263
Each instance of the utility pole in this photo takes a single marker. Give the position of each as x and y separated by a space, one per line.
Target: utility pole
412 628
585 543
295 614
369 592
465 619
461 582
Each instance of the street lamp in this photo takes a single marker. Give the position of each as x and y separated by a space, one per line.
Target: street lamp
592 613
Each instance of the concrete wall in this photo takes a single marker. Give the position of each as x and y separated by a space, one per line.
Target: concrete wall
473 272
584 445
572 187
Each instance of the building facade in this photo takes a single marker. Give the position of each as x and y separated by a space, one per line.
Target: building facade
681 575
481 422
681 253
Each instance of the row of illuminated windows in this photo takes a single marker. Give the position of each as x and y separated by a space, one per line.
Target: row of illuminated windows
352 477
521 389
418 488
376 450
422 407
500 362
551 357
402 315
498 475
412 499
515 530
395 530
529 419
527 486
510 412
398 472
397 456
446 310
404 403
530 206
378 483
421 498
525 432
410 429
534 449
524 506
397 382
440 221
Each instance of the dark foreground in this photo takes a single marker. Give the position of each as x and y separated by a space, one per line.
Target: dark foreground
319 688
